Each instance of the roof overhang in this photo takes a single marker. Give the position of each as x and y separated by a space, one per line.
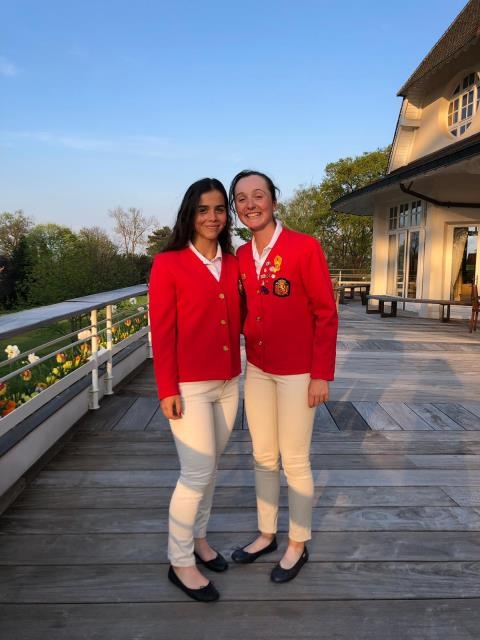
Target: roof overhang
449 175
463 32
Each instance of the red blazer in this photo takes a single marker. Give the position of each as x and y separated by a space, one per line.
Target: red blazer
195 320
291 322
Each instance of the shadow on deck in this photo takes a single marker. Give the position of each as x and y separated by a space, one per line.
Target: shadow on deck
395 552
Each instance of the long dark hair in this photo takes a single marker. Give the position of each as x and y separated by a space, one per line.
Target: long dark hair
184 228
274 191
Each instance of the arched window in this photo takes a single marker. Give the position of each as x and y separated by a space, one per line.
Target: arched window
464 104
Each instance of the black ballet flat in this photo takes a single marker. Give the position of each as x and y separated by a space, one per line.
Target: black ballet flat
217 564
244 557
204 594
279 574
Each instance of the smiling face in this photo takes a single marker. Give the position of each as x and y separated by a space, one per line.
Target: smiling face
210 216
254 203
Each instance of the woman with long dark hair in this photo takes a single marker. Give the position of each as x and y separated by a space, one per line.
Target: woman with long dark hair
290 335
195 325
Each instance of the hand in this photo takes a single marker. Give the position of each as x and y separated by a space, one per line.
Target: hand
317 392
171 407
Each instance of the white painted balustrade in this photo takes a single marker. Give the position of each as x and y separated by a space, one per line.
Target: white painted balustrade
24 437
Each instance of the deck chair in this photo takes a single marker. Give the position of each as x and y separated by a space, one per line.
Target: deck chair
475 304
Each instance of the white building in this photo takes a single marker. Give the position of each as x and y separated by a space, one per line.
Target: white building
426 210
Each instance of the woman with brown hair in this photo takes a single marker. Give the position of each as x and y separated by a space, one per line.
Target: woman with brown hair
290 334
195 325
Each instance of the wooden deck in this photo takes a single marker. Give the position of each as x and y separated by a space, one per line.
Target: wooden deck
395 553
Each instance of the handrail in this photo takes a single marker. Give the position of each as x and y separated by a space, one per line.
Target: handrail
13 324
99 333
347 275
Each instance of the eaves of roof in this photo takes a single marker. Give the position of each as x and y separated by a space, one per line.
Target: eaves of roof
447 156
464 30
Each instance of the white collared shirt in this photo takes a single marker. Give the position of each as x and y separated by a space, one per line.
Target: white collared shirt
259 260
215 265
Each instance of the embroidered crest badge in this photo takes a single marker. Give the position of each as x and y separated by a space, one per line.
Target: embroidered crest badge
281 288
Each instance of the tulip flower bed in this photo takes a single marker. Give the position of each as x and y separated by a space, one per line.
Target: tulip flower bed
32 380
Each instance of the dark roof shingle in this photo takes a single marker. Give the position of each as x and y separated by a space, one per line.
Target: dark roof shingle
463 30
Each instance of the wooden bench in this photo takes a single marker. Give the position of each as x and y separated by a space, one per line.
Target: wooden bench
444 305
362 287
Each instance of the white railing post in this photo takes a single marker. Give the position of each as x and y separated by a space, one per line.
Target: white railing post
109 375
94 404
149 348
76 367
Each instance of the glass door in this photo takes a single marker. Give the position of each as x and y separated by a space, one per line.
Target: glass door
403 252
465 262
392 265
401 259
412 268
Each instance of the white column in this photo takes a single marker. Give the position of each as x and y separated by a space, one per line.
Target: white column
94 348
109 376
149 348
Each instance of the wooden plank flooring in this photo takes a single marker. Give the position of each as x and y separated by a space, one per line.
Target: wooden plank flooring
395 552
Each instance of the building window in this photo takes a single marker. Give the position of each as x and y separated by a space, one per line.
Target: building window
393 220
416 213
403 218
464 104
406 215
404 236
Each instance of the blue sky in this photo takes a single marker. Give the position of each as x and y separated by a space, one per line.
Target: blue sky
108 103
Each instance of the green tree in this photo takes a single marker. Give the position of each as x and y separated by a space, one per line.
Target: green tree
348 174
56 270
99 255
12 285
52 263
65 265
5 288
243 233
104 267
346 239
13 227
306 211
158 240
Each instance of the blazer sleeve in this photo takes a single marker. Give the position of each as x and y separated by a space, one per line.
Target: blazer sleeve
163 326
318 286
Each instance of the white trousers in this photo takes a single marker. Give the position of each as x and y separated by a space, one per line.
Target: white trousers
208 414
281 423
